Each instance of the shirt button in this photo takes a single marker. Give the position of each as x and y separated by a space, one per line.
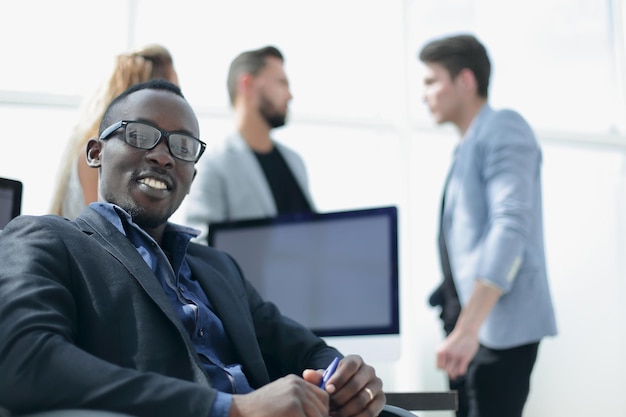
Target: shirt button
201 332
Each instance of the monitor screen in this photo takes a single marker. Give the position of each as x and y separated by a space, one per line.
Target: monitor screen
336 273
10 200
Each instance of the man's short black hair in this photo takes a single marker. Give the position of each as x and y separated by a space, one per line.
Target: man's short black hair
155 84
458 52
251 62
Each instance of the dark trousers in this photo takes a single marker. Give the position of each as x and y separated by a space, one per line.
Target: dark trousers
497 382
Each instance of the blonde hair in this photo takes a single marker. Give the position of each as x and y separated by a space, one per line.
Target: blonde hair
150 62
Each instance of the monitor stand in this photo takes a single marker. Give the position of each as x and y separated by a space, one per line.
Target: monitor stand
372 348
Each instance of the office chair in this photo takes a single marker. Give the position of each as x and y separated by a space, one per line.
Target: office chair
393 411
398 405
388 411
73 413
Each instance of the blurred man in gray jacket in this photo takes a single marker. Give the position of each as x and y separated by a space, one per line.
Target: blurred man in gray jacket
251 175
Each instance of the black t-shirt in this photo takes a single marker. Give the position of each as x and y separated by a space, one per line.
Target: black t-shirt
288 196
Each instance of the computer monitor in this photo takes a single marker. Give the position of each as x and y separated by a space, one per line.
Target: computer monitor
10 200
336 272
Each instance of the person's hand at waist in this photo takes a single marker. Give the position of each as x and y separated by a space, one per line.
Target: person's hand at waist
459 348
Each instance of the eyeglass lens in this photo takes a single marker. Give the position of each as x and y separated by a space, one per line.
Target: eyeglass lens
145 136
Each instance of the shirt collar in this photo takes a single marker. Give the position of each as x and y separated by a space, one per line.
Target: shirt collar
117 216
483 113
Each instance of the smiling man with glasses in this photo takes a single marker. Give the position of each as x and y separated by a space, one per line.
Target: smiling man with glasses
118 311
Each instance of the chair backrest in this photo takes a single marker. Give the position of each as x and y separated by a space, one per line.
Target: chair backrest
75 413
424 401
393 411
10 200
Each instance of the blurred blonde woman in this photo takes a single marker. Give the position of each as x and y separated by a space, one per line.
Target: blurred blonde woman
77 183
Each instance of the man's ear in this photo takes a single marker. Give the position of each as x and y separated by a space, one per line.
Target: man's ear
245 82
93 150
468 79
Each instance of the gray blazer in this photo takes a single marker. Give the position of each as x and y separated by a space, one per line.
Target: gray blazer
231 185
84 323
493 226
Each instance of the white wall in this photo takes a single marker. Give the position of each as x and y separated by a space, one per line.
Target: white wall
367 140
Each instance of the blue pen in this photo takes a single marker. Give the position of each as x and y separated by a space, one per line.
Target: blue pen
329 372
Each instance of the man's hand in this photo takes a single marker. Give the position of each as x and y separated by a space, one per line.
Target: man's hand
461 345
289 396
354 389
456 352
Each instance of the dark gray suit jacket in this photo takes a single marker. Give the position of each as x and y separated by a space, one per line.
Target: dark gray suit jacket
84 323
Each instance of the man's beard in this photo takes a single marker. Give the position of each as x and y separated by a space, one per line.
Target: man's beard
146 219
271 116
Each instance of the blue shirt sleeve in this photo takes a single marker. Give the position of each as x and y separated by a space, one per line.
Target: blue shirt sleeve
221 405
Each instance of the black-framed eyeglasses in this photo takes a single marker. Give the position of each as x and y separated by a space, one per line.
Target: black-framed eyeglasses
143 135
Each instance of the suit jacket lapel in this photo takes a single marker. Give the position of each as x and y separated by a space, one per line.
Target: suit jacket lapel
450 190
458 168
245 162
239 329
121 249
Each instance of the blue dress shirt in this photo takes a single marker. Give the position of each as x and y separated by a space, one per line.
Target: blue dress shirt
189 301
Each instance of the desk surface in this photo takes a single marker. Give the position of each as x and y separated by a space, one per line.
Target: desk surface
423 401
